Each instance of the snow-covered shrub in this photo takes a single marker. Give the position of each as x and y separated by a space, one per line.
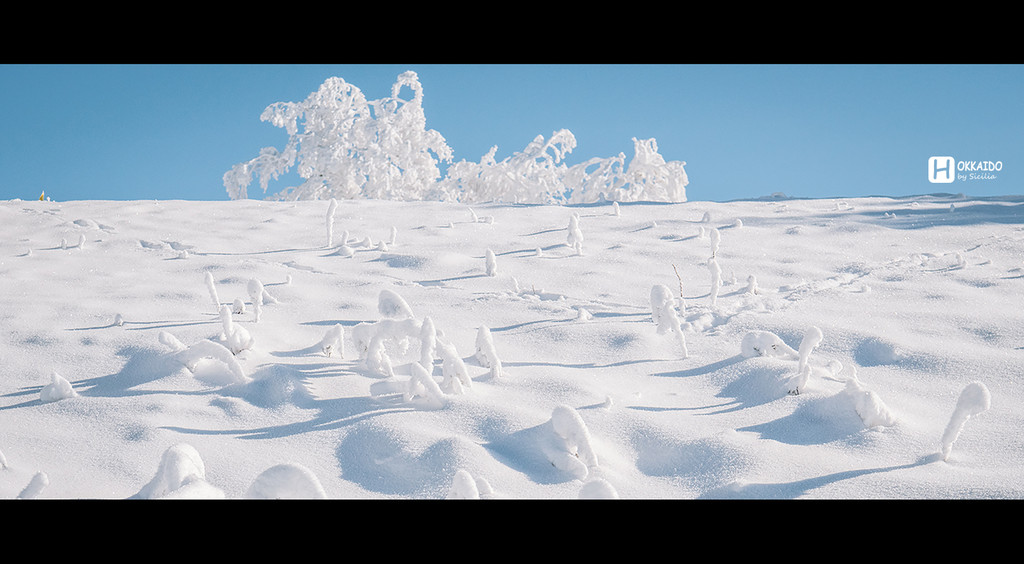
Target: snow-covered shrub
752 285
422 384
598 488
974 399
171 342
57 389
334 341
236 338
331 208
571 451
660 296
35 486
286 481
871 409
463 486
349 147
766 343
716 278
486 354
180 475
455 376
213 290
238 306
204 349
428 344
575 237
490 263
664 315
393 306
812 337
259 296
371 340
716 241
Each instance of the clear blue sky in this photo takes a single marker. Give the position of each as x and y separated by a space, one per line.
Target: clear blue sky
123 132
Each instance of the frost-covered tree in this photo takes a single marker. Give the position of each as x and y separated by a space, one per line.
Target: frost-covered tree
345 146
533 175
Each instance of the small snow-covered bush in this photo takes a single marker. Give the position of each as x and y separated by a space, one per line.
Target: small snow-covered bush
57 389
286 481
236 338
868 405
428 344
453 370
572 452
392 306
35 486
486 354
716 279
490 263
422 384
331 208
812 337
661 296
598 488
180 475
463 486
213 290
974 399
663 312
334 341
205 349
766 343
575 237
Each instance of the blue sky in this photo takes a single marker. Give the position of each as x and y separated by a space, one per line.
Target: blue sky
125 132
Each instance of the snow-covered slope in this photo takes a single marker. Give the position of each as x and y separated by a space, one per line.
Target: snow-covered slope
828 361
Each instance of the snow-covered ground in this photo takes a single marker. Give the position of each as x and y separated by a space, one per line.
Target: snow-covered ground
856 348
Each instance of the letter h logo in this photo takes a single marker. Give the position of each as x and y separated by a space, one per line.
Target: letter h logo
940 170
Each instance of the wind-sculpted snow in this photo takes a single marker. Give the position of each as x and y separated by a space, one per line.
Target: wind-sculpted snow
241 355
344 146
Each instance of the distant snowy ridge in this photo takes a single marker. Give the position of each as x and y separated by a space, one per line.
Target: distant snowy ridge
346 147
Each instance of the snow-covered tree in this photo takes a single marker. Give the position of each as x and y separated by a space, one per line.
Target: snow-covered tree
533 175
345 146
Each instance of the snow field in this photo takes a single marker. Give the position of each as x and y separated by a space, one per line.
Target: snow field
908 296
